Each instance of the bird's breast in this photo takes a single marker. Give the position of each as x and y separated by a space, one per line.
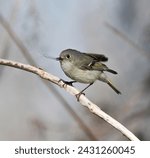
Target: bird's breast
79 75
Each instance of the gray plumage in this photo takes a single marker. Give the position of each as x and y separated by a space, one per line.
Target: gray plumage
85 67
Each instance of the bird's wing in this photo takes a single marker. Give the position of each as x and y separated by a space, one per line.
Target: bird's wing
94 65
97 57
93 62
102 67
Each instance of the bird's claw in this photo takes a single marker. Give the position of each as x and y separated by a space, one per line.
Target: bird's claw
70 83
78 95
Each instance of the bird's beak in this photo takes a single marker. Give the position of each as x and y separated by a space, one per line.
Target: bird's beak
58 59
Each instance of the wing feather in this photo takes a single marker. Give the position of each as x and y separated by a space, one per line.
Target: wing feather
97 57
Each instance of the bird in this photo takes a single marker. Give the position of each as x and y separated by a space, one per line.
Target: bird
85 68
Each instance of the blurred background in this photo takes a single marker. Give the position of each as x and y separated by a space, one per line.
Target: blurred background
34 109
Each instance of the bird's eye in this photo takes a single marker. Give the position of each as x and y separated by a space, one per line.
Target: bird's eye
67 56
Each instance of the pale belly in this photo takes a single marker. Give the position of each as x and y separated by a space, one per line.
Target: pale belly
83 76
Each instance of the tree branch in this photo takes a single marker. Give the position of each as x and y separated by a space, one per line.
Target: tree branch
83 100
27 55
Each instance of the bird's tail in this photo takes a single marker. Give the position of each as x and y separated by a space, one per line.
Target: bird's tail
113 87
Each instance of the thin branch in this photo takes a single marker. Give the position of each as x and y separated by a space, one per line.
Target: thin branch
83 100
6 40
64 103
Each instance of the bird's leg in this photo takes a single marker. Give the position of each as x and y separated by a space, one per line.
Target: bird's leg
81 92
70 83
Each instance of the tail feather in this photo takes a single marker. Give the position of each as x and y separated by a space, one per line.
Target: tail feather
113 87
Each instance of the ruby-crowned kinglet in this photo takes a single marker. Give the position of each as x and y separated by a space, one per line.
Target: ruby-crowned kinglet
85 67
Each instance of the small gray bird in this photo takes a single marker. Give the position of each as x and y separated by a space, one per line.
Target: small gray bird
85 68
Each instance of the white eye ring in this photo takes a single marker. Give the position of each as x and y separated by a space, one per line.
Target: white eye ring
67 56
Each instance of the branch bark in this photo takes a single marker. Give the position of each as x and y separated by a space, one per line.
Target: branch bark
73 91
27 55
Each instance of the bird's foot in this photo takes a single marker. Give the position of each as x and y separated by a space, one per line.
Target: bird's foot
70 83
78 95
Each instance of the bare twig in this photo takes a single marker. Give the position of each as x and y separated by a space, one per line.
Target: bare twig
29 58
83 100
6 40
